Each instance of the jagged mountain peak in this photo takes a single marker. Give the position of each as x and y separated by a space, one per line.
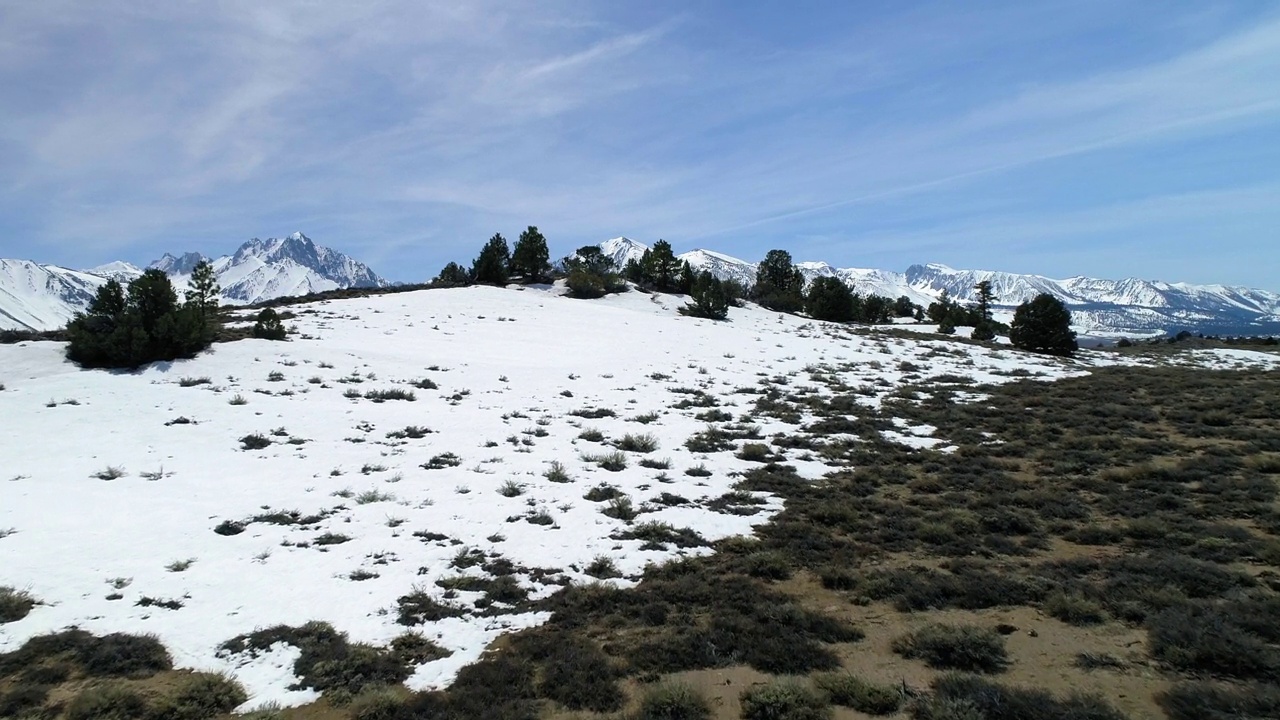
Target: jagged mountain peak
178 265
45 297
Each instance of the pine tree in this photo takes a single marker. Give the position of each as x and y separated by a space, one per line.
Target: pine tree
493 265
660 268
530 259
983 329
779 283
143 324
452 275
709 298
204 290
1043 325
829 299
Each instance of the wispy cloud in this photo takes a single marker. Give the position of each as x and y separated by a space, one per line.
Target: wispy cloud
411 131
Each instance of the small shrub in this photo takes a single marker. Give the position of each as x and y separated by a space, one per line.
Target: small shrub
664 464
699 470
229 527
1073 609
122 655
1215 701
594 413
180 565
511 488
613 462
390 394
620 508
203 696
673 701
783 700
110 701
754 452
591 435
193 381
14 604
637 443
238 399
378 703
373 496
602 568
861 695
111 472
419 607
556 473
957 647
442 461
256 441
958 697
330 538
602 492
1098 661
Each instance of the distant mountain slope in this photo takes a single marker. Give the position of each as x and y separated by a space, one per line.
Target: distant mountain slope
1099 307
42 297
45 297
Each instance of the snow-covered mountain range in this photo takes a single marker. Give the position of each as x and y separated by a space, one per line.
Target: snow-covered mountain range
45 297
1098 307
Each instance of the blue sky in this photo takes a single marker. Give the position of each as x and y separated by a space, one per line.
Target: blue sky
1105 138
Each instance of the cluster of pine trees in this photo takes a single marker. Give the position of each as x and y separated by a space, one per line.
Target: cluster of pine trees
126 328
779 285
498 264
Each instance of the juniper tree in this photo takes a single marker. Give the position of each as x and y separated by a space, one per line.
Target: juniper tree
709 298
1043 325
829 299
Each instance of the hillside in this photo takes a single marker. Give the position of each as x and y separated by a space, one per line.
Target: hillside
398 442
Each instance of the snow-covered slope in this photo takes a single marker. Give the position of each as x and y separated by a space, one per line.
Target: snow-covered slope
1098 307
45 297
336 455
622 250
42 297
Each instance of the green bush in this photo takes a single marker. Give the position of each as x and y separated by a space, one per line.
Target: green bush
964 697
710 299
1043 325
673 701
861 695
1203 638
1073 609
378 703
202 696
1196 700
14 604
146 324
637 443
783 700
268 325
122 655
957 647
108 701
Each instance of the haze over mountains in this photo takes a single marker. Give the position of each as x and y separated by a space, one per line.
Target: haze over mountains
45 297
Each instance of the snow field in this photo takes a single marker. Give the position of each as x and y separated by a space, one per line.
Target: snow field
512 366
